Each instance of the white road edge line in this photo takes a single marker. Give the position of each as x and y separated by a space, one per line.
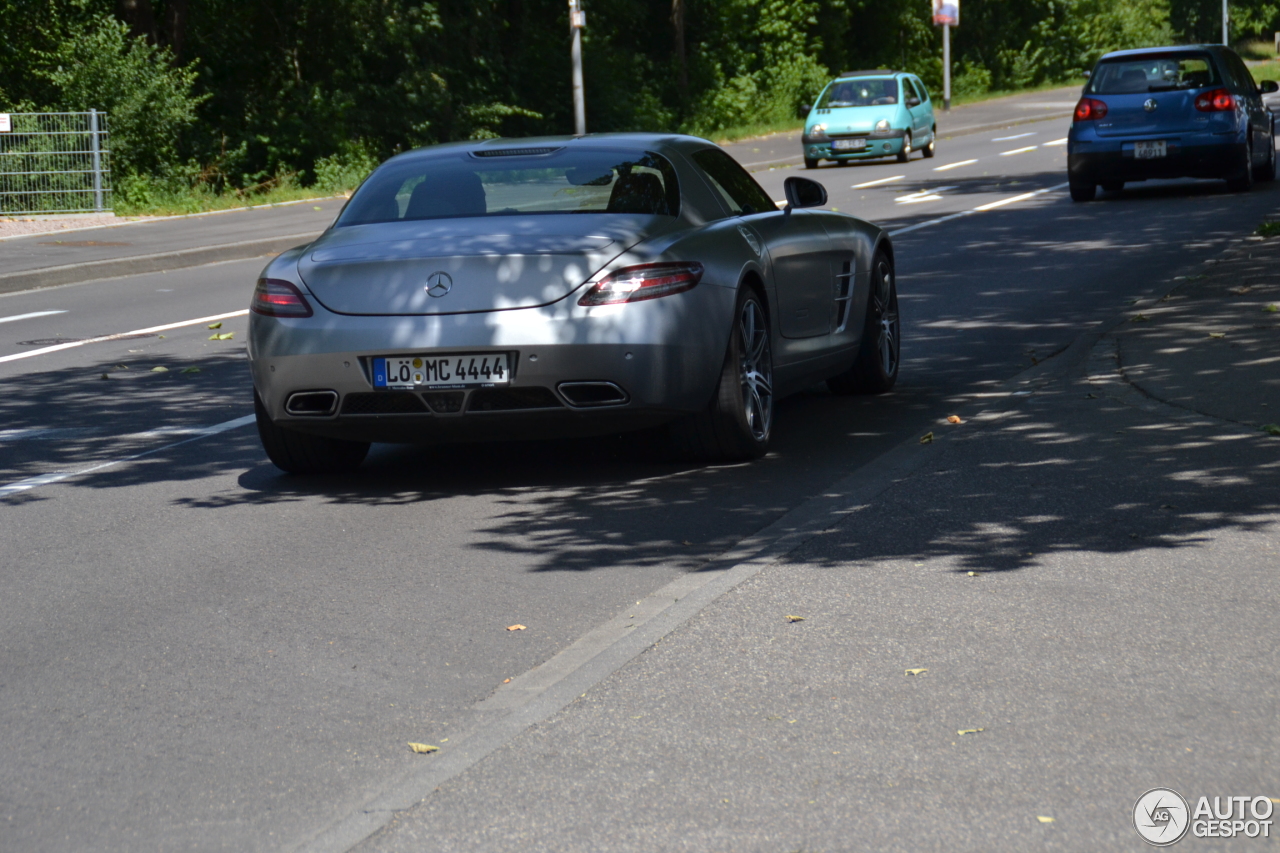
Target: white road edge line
58 476
1015 136
16 317
984 207
117 336
1019 150
877 182
954 165
1062 141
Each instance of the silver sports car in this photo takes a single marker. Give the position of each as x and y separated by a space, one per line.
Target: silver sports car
566 286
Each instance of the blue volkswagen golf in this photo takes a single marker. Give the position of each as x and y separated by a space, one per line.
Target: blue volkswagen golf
1170 112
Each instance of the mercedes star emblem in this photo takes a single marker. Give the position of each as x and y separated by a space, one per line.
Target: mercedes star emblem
439 283
1150 105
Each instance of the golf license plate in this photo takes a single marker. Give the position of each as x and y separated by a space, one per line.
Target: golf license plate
1150 150
442 371
848 144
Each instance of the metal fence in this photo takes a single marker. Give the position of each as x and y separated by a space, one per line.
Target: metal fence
54 163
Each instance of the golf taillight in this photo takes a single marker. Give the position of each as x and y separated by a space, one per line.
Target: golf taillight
277 298
645 281
1090 109
1215 101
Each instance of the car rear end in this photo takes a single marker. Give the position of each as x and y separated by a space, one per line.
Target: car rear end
1167 113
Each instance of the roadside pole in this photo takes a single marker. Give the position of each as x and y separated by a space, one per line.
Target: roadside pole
946 67
577 20
1226 17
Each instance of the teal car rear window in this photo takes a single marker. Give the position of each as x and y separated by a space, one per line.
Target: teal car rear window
865 92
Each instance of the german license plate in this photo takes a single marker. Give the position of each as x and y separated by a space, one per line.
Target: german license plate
848 144
1150 150
442 371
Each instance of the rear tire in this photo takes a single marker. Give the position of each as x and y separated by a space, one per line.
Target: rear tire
303 453
875 368
738 422
1113 186
905 154
810 164
1267 171
1083 192
1243 182
932 148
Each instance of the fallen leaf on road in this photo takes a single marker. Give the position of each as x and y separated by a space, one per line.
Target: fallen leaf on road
969 731
105 376
1044 819
1138 318
1242 289
423 748
160 369
975 574
791 618
927 438
317 207
121 367
686 542
919 671
506 681
190 370
516 628
1091 396
1270 308
1270 429
225 336
215 325
1217 334
954 419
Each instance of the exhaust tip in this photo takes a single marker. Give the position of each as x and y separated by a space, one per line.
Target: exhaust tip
312 404
584 395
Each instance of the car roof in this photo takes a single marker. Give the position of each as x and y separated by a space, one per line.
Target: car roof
1148 51
647 141
879 72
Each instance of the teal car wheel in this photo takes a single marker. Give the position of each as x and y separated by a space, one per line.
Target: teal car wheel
931 149
810 164
905 154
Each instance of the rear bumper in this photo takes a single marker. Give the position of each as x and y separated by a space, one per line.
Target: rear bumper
1198 156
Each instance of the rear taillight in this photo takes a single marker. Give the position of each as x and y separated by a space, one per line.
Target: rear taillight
1215 101
1090 109
277 298
646 281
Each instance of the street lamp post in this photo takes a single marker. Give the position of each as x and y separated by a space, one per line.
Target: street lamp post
577 20
1226 17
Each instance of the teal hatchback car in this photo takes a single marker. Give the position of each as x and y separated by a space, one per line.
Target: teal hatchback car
866 114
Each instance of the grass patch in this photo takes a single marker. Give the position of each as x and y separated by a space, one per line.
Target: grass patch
1257 49
204 201
1269 229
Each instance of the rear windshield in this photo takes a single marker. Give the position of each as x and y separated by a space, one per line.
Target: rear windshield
864 92
562 182
1162 72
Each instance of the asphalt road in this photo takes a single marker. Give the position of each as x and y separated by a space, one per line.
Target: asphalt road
201 653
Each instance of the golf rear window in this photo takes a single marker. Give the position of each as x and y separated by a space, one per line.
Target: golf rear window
863 92
1157 72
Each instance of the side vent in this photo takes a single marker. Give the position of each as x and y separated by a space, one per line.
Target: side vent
844 295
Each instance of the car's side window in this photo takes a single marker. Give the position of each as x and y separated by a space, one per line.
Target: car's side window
1247 83
921 91
738 189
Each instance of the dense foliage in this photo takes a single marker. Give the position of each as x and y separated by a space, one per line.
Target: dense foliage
244 93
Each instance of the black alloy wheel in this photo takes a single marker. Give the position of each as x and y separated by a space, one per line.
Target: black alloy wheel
875 368
304 453
1083 192
810 164
1267 171
737 423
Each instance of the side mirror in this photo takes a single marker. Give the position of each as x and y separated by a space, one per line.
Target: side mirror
913 101
1088 74
1266 87
803 112
802 192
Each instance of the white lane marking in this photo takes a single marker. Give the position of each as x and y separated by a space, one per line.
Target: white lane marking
98 340
1015 136
16 317
1019 150
954 165
984 207
1062 141
922 195
877 182
58 476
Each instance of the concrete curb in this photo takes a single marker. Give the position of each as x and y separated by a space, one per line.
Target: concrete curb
116 267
